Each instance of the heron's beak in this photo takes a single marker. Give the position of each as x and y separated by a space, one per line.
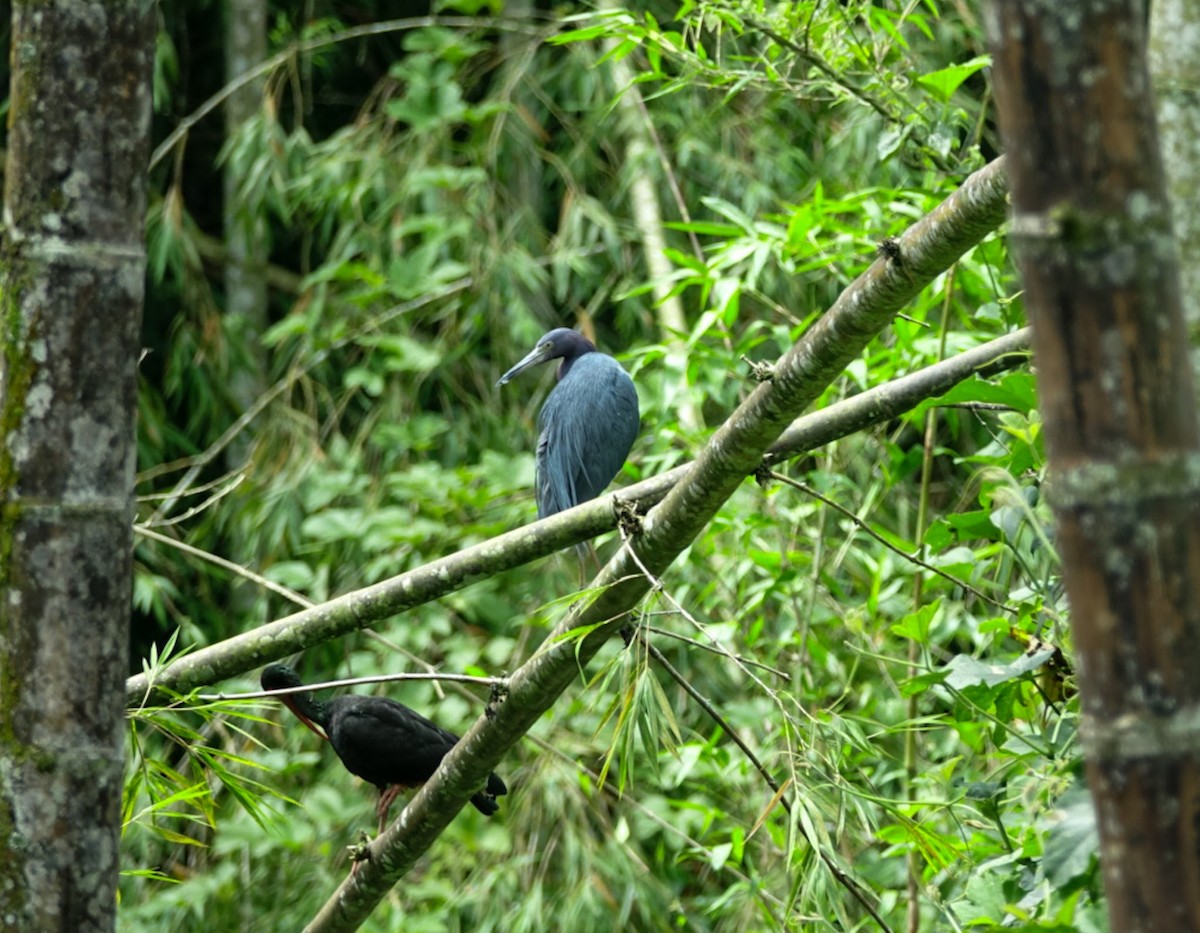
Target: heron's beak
289 700
538 354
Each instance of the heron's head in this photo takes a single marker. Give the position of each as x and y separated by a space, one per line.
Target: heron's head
561 343
279 677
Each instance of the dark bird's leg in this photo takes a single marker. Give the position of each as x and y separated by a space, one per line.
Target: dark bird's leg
387 797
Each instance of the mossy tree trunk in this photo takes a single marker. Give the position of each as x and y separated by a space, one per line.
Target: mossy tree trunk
73 268
246 293
1175 69
1093 232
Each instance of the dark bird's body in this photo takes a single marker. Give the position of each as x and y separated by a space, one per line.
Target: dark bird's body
378 739
588 424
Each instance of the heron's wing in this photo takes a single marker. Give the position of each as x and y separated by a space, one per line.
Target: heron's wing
588 425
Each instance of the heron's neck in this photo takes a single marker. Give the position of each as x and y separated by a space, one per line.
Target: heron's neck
311 707
582 348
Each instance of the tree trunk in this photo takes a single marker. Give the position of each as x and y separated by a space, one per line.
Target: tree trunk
73 267
246 292
245 231
1175 68
641 163
1092 228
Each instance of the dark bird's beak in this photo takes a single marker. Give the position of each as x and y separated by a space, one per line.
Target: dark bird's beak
538 354
288 700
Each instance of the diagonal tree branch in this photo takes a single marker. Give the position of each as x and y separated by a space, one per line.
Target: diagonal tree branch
735 451
357 610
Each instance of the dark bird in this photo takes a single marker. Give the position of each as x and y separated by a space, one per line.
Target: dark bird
382 741
587 425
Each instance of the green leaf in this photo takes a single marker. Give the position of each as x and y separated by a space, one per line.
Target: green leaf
705 227
914 686
585 34
730 212
169 835
1016 390
404 354
945 81
294 574
618 51
890 142
971 525
152 873
939 536
359 377
915 625
1073 844
966 671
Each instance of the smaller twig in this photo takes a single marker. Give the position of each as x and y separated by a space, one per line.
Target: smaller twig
181 464
354 682
668 826
400 649
656 586
837 79
980 406
843 879
217 496
716 716
721 651
277 589
925 565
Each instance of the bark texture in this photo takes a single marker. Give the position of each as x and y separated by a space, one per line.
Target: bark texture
73 267
1093 235
1175 69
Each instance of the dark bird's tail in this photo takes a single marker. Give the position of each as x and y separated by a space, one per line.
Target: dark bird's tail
485 800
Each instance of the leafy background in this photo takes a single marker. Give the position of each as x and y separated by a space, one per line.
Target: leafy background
434 197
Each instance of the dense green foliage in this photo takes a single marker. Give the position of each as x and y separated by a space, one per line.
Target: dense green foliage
435 197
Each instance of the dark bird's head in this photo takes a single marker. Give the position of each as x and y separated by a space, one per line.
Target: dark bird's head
562 343
308 709
279 677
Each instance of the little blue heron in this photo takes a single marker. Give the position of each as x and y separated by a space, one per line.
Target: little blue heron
587 425
378 739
